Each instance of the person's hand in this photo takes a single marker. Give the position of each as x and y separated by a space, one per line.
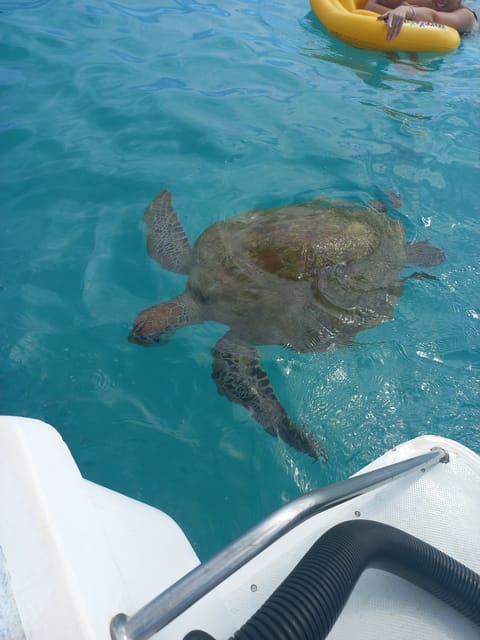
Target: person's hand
394 19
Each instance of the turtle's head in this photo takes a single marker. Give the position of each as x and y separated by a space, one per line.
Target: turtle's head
156 324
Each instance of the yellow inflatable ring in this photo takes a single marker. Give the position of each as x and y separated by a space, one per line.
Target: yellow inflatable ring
348 21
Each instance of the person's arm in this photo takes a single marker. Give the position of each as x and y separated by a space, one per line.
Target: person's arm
394 18
461 19
393 13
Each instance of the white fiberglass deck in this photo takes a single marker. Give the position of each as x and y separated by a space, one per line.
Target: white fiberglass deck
74 554
439 506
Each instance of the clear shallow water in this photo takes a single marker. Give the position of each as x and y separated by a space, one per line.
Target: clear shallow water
231 106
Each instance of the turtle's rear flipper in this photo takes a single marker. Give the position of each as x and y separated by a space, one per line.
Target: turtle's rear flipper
167 242
239 377
424 254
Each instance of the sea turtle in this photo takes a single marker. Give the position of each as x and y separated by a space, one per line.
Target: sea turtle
308 276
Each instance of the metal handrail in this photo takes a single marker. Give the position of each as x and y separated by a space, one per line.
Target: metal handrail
201 580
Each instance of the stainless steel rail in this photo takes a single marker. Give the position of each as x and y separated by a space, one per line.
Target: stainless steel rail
193 586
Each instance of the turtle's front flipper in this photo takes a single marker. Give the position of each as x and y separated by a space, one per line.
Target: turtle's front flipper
239 377
167 242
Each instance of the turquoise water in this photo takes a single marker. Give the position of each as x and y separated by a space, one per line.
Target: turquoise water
230 105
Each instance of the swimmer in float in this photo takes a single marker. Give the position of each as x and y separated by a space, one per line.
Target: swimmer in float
451 13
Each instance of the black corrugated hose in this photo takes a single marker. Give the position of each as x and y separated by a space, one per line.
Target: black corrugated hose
308 602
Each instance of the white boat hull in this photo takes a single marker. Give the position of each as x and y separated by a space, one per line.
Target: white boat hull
73 554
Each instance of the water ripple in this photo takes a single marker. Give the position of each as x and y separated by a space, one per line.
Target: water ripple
160 85
154 14
22 5
232 106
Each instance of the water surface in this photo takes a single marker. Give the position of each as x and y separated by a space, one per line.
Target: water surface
231 106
